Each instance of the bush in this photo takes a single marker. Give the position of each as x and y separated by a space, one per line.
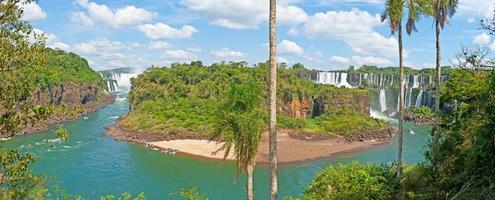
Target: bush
62 133
353 181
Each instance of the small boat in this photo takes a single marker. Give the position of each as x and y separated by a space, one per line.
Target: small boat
411 131
5 139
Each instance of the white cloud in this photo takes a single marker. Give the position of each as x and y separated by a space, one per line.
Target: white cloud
226 53
32 12
164 31
339 60
82 19
159 45
291 15
481 8
314 57
355 28
482 39
290 47
236 14
101 46
100 13
471 20
179 54
370 60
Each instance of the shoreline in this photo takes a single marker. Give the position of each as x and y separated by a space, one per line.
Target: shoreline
290 150
50 123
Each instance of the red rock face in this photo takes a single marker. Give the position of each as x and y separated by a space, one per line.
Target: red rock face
307 108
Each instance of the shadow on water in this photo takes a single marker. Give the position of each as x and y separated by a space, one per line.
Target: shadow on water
92 165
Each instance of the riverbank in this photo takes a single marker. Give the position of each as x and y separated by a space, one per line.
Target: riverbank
290 149
51 121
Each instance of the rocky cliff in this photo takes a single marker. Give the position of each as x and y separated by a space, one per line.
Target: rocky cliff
63 102
326 100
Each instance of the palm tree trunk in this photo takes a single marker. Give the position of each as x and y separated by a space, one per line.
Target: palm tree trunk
249 183
401 105
438 68
273 102
438 80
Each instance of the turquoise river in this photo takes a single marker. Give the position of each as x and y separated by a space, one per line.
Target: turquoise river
92 165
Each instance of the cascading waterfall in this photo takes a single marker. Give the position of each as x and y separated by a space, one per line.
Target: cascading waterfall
383 100
388 84
419 99
409 102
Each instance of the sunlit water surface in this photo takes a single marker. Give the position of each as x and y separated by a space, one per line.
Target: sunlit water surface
92 165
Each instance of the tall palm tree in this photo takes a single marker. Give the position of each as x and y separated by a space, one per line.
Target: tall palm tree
273 100
239 126
394 13
440 11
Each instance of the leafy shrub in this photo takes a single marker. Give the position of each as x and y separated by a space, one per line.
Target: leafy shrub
353 181
62 133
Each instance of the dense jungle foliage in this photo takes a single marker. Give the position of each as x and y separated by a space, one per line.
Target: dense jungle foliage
459 165
184 98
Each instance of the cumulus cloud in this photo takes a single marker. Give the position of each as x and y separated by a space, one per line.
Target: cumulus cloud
226 53
164 31
159 45
100 46
32 12
179 54
101 13
290 47
481 8
482 39
354 28
339 60
232 13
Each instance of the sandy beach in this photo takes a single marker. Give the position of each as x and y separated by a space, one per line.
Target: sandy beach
290 150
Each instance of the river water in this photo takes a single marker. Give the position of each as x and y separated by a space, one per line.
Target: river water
92 165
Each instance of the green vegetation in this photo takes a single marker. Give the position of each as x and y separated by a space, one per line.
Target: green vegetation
342 122
353 181
62 133
422 113
239 126
459 165
184 98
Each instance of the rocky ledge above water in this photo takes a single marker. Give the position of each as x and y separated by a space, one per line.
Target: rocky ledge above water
372 135
69 101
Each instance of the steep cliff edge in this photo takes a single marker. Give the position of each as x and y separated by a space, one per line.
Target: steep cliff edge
63 89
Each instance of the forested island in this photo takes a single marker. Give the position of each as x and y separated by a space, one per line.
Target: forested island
183 102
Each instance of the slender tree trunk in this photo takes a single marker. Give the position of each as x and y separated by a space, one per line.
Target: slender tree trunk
438 81
438 68
273 101
249 183
401 105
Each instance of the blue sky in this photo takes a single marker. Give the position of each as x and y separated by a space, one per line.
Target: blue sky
321 34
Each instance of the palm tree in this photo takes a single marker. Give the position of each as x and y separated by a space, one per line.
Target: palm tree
239 126
440 11
394 13
273 100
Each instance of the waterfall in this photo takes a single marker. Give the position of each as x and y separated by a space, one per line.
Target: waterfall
337 79
343 81
409 101
415 81
419 99
383 100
